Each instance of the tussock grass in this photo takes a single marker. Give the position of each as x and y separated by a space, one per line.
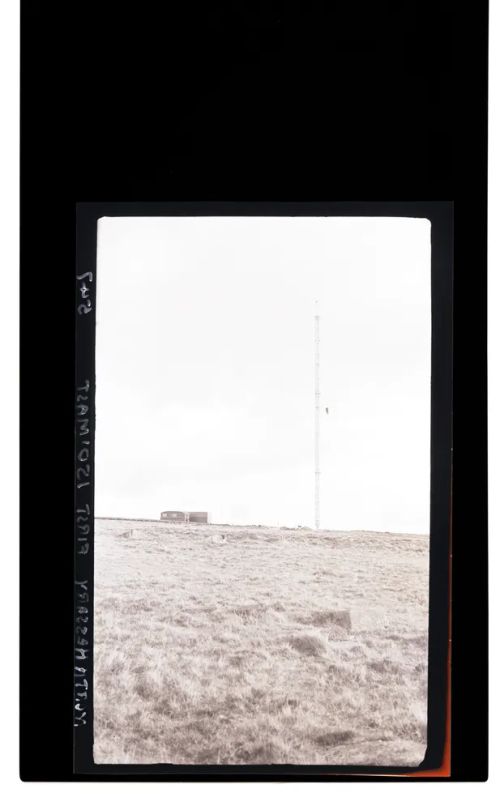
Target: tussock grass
308 644
284 646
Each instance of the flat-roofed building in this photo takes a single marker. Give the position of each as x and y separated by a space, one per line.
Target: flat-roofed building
198 517
175 516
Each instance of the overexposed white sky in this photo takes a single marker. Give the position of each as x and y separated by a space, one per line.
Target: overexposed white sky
205 369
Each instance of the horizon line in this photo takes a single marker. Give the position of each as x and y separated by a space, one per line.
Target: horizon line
258 525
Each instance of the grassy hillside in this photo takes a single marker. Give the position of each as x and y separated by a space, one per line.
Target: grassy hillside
237 649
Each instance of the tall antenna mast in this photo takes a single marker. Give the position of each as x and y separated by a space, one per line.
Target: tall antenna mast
316 416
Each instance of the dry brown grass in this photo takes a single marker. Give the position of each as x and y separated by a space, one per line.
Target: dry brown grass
270 646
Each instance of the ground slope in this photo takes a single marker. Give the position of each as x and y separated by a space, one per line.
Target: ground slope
212 649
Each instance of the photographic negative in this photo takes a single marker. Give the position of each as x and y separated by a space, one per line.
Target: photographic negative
262 491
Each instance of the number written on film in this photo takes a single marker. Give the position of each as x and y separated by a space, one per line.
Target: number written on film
85 305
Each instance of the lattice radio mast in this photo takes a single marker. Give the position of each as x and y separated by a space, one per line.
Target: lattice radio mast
316 418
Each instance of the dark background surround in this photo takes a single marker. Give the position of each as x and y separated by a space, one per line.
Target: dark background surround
254 102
